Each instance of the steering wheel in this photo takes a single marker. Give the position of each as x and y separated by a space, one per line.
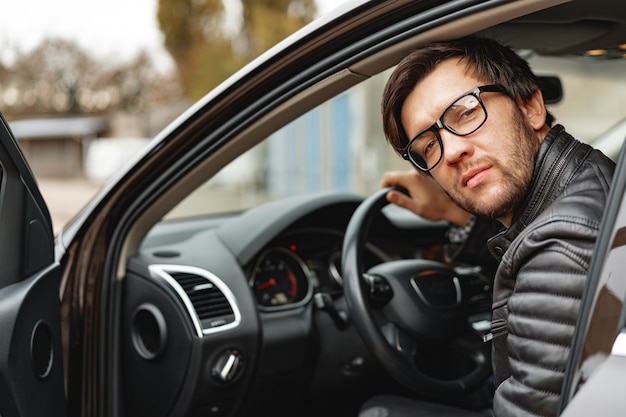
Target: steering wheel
399 306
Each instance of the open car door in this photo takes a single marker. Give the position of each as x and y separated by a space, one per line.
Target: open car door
594 383
31 366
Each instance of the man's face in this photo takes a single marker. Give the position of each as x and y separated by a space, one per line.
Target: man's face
487 172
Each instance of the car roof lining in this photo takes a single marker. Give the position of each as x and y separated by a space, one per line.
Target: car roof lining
488 22
470 24
559 39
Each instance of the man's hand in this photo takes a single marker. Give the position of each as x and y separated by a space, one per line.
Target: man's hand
427 199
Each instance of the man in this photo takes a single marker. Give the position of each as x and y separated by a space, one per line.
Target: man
470 117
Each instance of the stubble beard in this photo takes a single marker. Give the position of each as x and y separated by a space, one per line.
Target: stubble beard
516 170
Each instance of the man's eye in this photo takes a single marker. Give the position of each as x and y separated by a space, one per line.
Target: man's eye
429 147
469 113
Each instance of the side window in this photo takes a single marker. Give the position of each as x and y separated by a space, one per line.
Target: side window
337 146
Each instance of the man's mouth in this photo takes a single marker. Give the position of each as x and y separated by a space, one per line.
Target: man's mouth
475 177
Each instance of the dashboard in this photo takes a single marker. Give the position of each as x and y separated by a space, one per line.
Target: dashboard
254 297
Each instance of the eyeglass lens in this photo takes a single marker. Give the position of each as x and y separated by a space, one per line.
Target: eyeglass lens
463 117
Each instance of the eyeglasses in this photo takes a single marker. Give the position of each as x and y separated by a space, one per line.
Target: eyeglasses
463 117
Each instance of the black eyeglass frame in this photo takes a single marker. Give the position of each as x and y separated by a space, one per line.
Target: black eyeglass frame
440 124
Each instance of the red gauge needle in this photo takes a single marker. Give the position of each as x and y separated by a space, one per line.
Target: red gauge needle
293 289
267 284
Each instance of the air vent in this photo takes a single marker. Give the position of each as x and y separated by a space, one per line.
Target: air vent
149 331
41 350
210 303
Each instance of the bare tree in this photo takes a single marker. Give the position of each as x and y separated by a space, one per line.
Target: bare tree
58 77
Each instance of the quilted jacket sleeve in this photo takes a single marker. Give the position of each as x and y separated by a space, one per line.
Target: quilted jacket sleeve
537 311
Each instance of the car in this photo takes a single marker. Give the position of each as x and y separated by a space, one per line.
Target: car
208 277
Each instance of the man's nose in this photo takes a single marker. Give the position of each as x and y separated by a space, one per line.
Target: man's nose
455 147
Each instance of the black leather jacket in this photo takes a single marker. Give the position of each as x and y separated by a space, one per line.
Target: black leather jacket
543 261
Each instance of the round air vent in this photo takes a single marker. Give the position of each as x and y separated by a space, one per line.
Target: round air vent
41 349
149 331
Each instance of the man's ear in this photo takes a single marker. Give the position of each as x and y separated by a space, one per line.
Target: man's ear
535 110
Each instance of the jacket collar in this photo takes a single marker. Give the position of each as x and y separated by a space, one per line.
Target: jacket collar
553 170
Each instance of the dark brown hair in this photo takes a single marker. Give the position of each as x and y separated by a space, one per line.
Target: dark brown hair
485 58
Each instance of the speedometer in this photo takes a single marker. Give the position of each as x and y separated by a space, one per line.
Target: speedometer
280 280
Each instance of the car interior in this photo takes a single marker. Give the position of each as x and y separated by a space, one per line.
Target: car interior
229 282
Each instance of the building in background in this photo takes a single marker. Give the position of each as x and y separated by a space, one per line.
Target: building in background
55 147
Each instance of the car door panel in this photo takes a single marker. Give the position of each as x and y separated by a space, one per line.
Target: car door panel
31 365
30 350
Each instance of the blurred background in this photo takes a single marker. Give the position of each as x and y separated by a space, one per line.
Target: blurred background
84 84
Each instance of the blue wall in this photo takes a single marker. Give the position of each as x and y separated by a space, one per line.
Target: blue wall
312 154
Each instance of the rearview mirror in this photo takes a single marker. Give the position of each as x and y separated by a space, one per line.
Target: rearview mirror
551 88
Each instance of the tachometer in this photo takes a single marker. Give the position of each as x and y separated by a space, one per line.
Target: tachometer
280 279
